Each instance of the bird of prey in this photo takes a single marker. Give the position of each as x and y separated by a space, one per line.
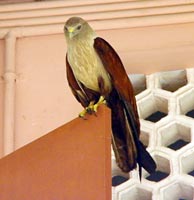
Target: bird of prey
97 76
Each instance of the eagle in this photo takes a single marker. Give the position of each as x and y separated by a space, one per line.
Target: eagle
96 76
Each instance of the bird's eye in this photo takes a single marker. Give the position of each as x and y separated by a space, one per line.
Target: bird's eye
79 27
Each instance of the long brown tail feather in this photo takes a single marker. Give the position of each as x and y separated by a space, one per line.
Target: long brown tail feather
143 157
122 139
125 140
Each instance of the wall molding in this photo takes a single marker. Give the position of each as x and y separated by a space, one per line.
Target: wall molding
47 18
39 18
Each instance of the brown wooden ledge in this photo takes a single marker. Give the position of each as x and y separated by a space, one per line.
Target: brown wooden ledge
69 163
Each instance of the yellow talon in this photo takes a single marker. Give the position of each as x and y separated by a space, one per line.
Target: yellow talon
83 113
92 108
100 101
88 109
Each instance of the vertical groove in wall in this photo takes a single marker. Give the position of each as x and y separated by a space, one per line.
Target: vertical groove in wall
9 96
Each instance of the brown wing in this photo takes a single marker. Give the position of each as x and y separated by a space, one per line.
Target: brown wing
125 120
82 94
116 70
75 87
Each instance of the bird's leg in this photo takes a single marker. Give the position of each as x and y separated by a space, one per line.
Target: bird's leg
92 107
100 101
83 113
88 109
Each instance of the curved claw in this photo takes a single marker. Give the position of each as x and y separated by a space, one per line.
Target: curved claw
100 101
82 114
92 108
88 109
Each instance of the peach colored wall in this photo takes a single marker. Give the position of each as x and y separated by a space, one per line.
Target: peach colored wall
2 47
43 98
154 48
149 37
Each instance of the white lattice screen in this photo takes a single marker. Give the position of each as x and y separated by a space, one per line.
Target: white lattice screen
166 108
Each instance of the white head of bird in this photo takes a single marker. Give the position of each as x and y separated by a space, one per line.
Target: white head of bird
77 28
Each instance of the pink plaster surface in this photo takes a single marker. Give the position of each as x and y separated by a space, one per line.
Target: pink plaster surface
152 49
43 98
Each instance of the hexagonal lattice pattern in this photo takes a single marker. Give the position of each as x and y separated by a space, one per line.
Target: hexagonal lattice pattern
165 103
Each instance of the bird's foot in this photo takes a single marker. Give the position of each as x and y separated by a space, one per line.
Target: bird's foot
93 107
83 113
100 101
88 109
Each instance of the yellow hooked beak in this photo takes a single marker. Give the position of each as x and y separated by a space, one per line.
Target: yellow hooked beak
71 30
